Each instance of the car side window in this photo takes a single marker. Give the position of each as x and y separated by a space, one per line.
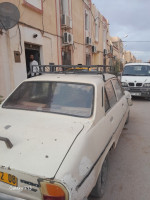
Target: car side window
118 89
107 106
110 93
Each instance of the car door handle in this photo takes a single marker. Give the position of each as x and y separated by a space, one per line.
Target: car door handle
111 119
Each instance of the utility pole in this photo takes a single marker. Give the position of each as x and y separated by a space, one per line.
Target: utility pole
104 59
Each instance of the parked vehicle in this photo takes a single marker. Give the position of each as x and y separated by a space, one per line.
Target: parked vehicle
56 131
136 79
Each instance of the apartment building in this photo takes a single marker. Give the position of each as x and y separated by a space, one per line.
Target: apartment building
90 34
117 48
129 57
140 61
133 58
57 31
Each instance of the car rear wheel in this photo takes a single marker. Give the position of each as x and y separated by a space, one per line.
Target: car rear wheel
98 190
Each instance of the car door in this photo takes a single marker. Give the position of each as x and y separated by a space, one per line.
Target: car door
122 105
110 107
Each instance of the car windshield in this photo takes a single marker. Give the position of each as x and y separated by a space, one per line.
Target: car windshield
136 70
54 97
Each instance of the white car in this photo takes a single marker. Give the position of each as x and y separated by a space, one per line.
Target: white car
136 79
56 131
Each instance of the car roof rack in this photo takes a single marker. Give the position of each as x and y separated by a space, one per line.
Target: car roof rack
73 69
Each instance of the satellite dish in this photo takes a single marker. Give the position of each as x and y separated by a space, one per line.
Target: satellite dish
9 15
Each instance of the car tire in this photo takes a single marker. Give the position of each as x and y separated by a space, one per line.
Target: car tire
98 190
127 120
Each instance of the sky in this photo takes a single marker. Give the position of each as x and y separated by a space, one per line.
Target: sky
132 18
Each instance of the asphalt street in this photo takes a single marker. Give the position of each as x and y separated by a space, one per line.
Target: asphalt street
129 164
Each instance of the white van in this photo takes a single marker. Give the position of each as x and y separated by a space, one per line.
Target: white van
136 79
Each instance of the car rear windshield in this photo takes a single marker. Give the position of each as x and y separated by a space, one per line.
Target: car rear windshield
54 97
136 70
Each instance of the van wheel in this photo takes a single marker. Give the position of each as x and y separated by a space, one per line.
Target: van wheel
127 120
98 190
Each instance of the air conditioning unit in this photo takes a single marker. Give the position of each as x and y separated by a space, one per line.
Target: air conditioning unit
88 41
67 38
94 49
66 21
105 52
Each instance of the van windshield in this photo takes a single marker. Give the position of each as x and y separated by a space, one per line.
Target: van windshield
54 97
136 70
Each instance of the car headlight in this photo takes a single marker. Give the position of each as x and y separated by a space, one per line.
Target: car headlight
146 85
124 84
53 191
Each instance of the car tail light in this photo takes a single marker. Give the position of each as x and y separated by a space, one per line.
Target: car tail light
53 191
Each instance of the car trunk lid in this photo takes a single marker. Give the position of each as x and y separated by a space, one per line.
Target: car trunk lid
40 140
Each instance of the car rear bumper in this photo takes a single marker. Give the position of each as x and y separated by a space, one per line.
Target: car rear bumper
8 197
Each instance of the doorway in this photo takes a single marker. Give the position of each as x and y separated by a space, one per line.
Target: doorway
66 57
31 49
88 59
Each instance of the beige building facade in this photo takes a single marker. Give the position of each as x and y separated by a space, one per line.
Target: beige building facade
56 31
139 61
117 48
62 32
36 33
129 57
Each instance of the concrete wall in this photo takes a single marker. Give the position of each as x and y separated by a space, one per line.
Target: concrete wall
31 22
13 73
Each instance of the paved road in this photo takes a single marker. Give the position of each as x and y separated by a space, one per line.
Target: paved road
129 163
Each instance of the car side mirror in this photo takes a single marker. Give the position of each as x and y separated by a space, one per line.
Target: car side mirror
129 98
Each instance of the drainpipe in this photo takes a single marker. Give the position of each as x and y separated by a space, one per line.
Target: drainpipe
10 61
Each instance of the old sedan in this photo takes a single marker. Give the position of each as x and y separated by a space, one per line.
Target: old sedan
56 131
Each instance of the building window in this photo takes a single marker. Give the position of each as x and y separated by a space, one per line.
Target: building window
66 7
111 49
86 20
34 4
